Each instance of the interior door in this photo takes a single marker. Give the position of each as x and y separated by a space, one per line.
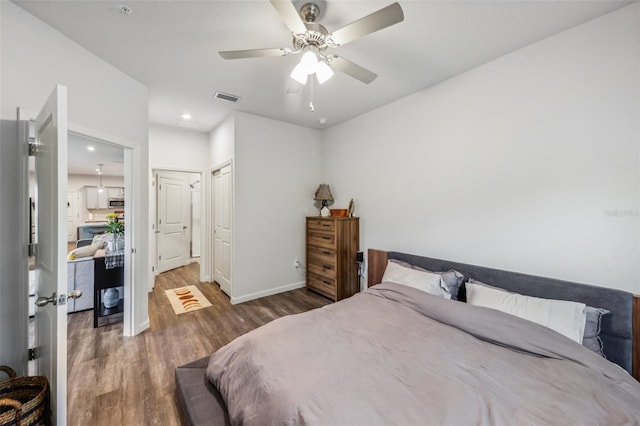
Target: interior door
173 221
51 239
222 228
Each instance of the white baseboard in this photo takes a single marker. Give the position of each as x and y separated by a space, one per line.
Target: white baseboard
269 292
142 327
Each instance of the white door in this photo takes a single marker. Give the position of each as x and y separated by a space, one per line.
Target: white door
222 228
51 239
173 220
73 213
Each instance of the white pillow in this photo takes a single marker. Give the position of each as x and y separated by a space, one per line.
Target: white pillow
422 280
567 318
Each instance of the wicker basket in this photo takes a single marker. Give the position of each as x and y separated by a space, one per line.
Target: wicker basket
24 401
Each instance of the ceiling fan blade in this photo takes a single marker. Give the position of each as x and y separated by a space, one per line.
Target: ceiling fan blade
353 70
383 18
289 15
254 53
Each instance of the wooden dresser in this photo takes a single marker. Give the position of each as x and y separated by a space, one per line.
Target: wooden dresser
332 244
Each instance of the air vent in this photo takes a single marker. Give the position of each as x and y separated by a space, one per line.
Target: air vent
226 97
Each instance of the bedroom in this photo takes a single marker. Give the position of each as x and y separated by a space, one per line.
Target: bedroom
524 206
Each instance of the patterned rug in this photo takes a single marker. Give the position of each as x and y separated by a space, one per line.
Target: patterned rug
186 299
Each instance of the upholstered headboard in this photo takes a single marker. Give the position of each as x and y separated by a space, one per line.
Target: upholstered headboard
617 328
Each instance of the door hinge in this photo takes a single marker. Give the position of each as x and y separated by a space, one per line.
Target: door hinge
33 148
160 257
34 353
153 269
33 249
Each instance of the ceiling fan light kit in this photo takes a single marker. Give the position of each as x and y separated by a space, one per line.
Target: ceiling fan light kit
312 39
309 65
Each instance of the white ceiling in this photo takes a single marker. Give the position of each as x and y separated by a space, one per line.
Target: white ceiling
85 162
171 47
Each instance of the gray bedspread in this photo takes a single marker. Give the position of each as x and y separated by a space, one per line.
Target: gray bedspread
395 355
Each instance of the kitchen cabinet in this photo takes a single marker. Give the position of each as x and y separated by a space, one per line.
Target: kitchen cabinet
115 193
96 199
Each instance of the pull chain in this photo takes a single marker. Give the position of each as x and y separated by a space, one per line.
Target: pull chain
311 107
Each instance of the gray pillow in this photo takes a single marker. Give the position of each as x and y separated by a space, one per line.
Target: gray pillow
452 278
591 337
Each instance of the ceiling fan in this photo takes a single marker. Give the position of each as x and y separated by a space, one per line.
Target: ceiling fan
312 40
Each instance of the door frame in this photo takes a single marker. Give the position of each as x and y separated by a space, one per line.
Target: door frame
153 213
129 236
211 221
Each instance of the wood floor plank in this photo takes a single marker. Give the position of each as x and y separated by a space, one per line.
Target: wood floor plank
133 378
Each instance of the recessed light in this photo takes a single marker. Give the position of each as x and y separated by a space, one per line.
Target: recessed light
186 116
322 120
91 148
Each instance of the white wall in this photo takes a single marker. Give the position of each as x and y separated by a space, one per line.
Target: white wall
221 146
221 142
276 170
172 148
102 101
527 163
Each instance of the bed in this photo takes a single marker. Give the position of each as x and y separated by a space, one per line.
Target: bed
403 378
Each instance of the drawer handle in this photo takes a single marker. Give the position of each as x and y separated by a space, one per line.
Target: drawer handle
326 225
326 238
326 282
328 267
326 252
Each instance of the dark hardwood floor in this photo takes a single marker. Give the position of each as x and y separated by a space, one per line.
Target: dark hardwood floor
117 380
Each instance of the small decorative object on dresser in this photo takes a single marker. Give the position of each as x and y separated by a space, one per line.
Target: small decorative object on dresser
332 244
338 212
323 194
352 207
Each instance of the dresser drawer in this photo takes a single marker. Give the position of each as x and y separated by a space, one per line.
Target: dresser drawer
322 265
322 225
321 239
324 285
318 254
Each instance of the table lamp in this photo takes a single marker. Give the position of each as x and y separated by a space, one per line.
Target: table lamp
323 194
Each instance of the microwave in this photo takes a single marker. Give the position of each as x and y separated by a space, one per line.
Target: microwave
116 202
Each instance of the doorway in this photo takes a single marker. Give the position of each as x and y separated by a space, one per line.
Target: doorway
84 155
177 216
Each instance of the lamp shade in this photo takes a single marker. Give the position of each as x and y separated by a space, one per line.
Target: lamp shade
299 74
323 193
323 72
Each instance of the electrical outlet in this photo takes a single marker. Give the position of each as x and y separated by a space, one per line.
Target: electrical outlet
296 263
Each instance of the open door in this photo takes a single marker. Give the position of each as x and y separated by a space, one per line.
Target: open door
50 251
173 221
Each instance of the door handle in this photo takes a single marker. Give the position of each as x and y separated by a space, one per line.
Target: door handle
42 301
75 294
184 227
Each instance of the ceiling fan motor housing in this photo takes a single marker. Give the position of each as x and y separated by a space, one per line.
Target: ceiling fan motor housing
315 36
